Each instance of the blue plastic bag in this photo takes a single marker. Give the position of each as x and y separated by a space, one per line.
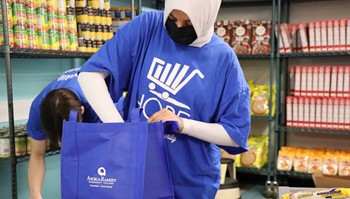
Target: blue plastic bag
114 160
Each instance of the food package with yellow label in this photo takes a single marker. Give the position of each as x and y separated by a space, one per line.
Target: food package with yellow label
330 162
260 104
285 158
340 193
256 156
315 160
344 163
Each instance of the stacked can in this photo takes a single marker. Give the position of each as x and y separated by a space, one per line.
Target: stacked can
20 24
94 24
10 24
4 143
30 6
72 28
42 24
62 25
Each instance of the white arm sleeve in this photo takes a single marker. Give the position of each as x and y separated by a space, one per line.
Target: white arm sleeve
212 133
95 90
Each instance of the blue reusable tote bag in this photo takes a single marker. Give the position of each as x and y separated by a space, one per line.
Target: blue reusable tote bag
114 160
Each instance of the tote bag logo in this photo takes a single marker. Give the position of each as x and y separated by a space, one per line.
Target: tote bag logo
101 181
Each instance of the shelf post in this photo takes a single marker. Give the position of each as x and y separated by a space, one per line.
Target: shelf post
6 51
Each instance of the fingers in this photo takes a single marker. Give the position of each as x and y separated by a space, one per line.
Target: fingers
155 117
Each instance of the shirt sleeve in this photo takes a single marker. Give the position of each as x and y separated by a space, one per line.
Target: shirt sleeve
234 111
33 125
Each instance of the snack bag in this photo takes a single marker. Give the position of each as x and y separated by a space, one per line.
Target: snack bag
344 164
301 158
285 159
341 193
315 161
330 163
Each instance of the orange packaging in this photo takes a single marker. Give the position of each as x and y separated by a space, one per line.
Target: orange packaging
285 160
315 161
330 163
301 159
344 164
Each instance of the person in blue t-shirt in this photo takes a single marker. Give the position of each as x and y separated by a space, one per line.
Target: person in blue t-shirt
175 68
45 121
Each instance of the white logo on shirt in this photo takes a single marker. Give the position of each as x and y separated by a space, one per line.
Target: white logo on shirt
170 77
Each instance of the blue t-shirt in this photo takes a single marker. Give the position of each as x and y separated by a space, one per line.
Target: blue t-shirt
67 80
205 84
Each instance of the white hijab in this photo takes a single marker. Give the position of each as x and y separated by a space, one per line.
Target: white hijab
202 14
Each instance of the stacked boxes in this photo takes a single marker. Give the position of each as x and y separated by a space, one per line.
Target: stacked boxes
245 36
315 36
319 97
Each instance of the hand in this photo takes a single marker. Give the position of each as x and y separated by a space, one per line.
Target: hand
166 115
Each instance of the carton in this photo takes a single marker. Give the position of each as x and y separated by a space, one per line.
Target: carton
241 31
322 181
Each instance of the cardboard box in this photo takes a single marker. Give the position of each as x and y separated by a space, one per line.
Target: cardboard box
342 34
312 41
330 37
322 181
302 40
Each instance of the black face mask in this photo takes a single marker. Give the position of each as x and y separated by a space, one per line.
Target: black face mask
184 35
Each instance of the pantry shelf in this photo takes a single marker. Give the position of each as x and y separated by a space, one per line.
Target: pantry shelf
300 175
255 56
230 3
261 118
37 53
262 171
312 130
322 54
48 153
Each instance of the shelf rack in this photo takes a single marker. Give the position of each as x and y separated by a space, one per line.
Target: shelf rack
24 158
313 130
229 3
38 53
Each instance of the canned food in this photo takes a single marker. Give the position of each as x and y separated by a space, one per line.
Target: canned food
4 145
91 17
54 40
82 16
88 45
99 33
63 41
41 4
71 24
30 4
70 10
19 14
44 40
92 32
20 36
9 15
31 17
28 145
70 3
20 143
97 17
52 6
33 41
80 3
72 42
107 4
52 21
81 45
108 18
62 23
92 3
61 7
85 31
42 23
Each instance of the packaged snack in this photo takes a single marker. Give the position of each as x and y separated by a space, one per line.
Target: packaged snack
223 30
315 161
285 159
343 193
344 164
330 162
301 158
241 31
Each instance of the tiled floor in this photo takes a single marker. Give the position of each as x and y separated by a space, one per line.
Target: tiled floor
249 191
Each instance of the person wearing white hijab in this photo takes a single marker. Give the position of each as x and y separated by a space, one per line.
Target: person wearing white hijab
175 68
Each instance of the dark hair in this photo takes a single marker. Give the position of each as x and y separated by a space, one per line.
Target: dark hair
54 109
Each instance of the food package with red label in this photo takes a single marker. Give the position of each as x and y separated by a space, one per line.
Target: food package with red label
223 30
261 37
241 36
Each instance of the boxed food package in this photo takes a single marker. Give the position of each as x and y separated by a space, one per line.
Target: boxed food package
312 37
286 38
281 46
323 181
348 34
241 31
303 42
261 37
223 30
